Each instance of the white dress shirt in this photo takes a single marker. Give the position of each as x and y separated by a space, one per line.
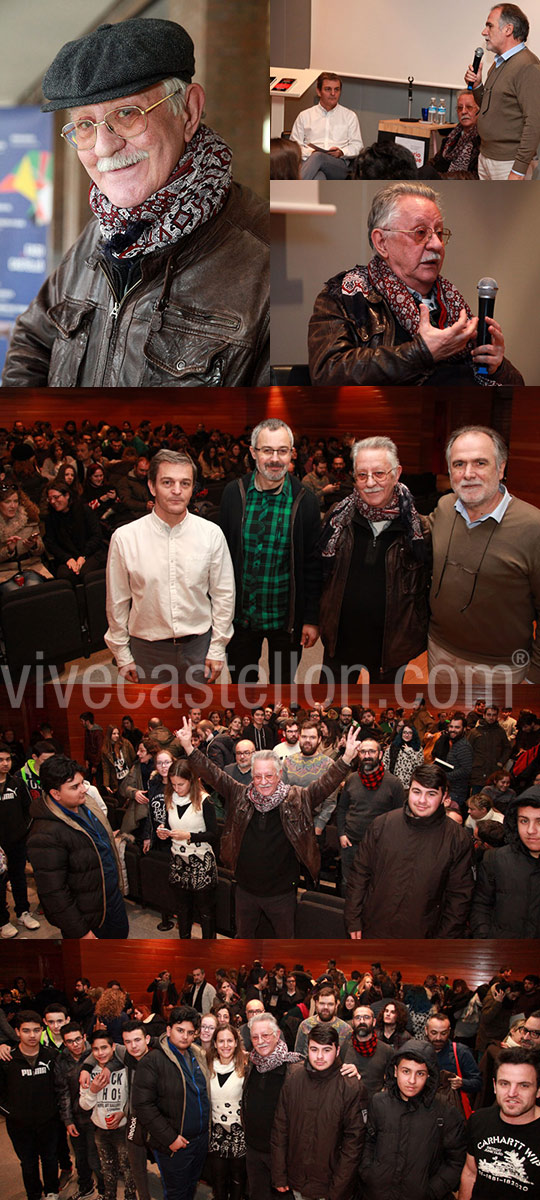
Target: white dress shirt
165 582
328 128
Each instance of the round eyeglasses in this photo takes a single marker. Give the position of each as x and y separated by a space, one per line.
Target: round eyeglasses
422 234
126 122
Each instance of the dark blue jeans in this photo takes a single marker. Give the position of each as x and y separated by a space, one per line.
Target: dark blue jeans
180 1172
116 924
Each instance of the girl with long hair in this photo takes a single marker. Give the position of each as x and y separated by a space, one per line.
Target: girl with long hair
190 825
226 1059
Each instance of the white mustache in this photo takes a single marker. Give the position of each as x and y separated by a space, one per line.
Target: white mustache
121 159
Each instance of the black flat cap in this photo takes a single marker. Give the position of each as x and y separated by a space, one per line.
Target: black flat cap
117 60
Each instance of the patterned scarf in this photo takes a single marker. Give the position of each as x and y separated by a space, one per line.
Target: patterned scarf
266 803
275 1059
195 191
401 504
372 779
366 1048
459 148
401 303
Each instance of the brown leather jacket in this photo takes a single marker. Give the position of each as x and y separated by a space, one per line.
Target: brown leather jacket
356 340
198 317
407 611
295 811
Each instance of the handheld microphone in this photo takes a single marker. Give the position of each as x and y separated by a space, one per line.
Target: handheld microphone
478 56
487 290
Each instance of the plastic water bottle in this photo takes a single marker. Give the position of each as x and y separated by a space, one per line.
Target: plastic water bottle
441 111
432 112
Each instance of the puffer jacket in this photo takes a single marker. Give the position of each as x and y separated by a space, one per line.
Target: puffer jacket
411 878
295 811
356 340
197 318
158 1096
318 1132
67 868
506 901
407 588
415 1149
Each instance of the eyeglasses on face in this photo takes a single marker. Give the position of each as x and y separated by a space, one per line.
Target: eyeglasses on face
378 476
422 234
126 122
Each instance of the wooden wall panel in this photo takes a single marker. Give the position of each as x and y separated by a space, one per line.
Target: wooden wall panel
136 963
524 462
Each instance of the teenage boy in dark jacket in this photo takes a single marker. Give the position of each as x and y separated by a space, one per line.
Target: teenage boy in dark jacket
28 1101
506 901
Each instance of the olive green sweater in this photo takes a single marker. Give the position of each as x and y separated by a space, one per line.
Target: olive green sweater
499 589
509 118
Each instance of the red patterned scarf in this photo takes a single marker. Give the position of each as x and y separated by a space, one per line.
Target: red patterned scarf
267 803
402 304
372 779
401 505
368 1047
195 191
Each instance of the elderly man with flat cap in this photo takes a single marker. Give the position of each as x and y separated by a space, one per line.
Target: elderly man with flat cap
168 284
398 320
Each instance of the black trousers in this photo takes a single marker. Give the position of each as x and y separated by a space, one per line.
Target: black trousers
33 1146
228 1176
244 651
202 903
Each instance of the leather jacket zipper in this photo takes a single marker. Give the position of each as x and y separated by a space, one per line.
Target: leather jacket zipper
112 321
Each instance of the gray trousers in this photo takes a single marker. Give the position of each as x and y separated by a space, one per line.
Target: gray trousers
184 659
325 166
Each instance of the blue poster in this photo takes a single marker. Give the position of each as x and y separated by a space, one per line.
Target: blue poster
26 186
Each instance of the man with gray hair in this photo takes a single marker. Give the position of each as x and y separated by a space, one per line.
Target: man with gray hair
170 584
509 118
375 552
485 594
268 832
138 300
397 320
272 525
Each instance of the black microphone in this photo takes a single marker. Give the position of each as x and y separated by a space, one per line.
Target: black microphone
478 56
487 290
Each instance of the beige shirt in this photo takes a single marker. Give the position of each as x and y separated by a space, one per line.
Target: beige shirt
165 582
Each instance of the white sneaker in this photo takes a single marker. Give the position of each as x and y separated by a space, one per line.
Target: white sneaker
8 931
52 1196
28 921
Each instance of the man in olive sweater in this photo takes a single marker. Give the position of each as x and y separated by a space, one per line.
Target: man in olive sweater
509 118
485 595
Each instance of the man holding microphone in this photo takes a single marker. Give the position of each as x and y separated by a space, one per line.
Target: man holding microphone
509 101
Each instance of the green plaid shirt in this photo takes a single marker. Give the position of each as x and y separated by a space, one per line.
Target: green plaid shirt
266 545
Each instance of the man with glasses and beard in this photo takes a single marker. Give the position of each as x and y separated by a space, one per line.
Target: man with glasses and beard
398 321
370 791
364 1049
326 1006
138 299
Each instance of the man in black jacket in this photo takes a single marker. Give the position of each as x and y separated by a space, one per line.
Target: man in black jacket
415 1145
72 850
412 872
28 1101
506 901
272 524
77 1122
170 1100
14 826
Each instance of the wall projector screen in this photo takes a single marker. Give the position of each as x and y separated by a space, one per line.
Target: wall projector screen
393 39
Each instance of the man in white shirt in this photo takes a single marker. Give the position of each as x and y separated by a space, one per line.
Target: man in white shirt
329 135
170 584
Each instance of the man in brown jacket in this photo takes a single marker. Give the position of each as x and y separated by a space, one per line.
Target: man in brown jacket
137 300
268 831
319 1126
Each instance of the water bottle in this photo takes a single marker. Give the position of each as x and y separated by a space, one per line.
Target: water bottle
441 111
432 111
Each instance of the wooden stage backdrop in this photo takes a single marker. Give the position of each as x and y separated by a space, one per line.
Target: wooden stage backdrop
136 963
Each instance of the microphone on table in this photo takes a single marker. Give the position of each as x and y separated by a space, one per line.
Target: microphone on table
478 56
487 290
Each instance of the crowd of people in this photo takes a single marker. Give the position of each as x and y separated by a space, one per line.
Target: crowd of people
323 540
429 825
496 136
265 1077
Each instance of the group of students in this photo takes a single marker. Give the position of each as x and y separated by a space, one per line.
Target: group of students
377 1103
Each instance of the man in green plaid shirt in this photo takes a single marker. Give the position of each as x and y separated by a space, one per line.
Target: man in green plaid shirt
272 525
